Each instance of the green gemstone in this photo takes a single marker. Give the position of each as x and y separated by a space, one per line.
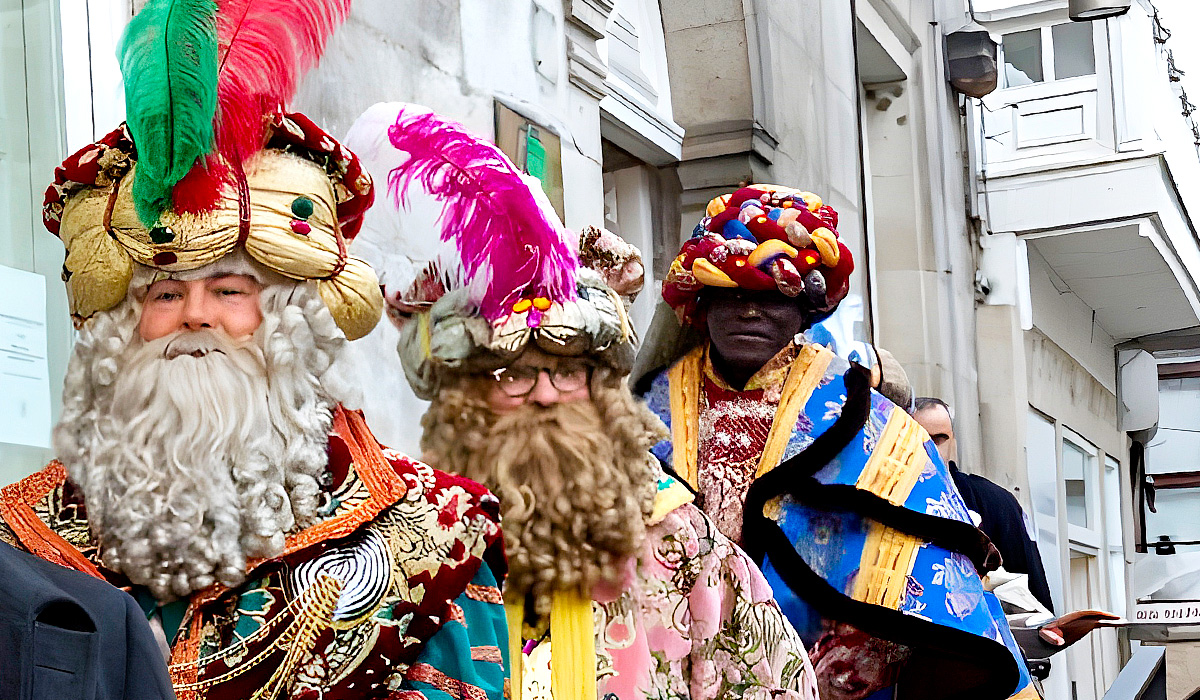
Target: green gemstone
161 234
302 207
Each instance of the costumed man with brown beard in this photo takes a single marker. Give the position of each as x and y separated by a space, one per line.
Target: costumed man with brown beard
618 588
836 491
206 463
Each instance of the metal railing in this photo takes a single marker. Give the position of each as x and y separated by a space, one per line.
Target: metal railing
1143 678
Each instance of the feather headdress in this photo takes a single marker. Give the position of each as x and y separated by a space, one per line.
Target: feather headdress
203 82
507 244
168 57
266 47
492 271
210 162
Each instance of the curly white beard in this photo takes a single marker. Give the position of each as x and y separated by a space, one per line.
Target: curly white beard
195 453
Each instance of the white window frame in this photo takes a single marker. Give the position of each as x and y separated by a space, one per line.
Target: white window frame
1046 41
1089 539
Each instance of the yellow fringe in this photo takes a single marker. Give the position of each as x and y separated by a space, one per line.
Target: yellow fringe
572 645
514 610
684 379
897 460
573 650
891 472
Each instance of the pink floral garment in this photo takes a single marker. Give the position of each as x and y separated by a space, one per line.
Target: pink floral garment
695 620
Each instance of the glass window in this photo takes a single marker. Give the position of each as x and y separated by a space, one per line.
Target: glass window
1112 529
1172 465
1043 494
1075 468
1073 54
1023 58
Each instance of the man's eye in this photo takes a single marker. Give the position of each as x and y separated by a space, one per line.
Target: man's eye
167 296
229 292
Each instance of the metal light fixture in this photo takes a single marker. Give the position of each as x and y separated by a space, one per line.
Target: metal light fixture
1089 10
971 60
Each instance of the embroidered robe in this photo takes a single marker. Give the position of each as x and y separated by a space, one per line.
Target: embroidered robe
857 524
394 593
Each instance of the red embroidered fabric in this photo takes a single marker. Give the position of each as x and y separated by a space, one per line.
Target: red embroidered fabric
99 164
733 433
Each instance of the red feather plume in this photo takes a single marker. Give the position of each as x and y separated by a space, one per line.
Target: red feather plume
266 47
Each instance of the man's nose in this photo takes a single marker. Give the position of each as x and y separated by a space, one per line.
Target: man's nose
750 311
543 392
197 312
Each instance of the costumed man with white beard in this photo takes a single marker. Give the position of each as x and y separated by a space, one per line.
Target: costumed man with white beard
206 463
619 588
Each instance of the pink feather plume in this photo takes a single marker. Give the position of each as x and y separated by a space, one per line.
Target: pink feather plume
508 245
266 47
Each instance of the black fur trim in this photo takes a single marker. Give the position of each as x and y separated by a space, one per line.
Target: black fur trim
946 663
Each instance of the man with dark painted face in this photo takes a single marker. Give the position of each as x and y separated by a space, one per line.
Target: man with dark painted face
837 492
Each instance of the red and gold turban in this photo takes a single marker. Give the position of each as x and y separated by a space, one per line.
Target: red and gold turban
763 237
208 161
303 200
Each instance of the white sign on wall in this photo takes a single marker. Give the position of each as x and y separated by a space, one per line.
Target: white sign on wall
1183 613
24 374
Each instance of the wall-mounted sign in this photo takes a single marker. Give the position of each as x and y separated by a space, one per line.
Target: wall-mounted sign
1182 613
534 149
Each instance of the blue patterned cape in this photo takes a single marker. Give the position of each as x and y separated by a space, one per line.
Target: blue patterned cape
938 607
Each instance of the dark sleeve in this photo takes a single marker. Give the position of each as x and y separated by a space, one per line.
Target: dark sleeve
1003 521
146 676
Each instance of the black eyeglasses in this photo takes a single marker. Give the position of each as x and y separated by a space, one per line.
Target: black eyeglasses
518 382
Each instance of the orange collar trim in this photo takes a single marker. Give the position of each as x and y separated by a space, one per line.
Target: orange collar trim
17 510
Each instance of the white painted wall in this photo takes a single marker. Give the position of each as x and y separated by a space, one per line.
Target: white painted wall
1065 319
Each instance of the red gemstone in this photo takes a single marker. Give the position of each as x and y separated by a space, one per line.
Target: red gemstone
167 258
300 227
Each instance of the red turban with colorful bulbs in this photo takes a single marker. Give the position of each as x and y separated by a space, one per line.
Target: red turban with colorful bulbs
763 237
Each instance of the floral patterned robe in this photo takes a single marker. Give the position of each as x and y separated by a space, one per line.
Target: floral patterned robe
694 618
393 594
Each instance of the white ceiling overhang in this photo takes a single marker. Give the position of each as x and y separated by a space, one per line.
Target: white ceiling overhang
1120 271
1114 233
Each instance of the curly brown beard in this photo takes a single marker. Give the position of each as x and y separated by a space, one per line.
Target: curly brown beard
576 481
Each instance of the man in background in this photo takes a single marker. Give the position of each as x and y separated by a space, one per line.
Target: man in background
999 514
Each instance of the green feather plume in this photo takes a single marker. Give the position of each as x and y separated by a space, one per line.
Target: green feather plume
168 57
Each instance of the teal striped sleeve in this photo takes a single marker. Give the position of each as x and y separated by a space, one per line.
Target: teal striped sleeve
468 658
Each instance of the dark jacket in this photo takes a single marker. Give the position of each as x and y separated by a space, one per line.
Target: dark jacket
1002 520
65 635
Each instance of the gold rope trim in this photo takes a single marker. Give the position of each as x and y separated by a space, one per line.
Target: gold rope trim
313 615
684 382
805 373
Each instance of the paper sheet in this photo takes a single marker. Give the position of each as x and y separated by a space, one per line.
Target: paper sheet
24 373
